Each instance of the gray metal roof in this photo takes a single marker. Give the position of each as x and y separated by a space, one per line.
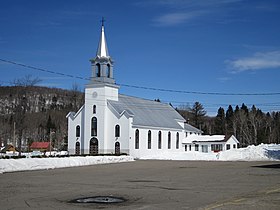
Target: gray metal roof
190 128
147 112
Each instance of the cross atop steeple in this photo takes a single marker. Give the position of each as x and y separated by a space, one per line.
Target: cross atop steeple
102 21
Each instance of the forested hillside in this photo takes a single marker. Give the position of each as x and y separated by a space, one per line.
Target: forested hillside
33 113
249 125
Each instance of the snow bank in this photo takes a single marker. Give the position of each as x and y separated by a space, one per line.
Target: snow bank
262 152
26 164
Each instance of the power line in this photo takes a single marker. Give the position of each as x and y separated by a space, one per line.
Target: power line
143 87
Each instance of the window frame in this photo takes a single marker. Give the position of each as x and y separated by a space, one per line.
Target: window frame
159 140
93 126
117 130
137 134
78 131
149 139
169 140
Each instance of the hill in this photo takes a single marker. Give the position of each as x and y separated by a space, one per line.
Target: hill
34 113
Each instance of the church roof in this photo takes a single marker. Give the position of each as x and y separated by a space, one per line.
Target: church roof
148 113
190 128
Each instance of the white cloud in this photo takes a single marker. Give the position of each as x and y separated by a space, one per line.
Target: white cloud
258 61
172 19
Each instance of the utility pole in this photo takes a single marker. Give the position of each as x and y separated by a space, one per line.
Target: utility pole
50 141
14 140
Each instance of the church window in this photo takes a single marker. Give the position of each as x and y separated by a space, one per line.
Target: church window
169 141
177 140
149 139
137 139
98 70
108 71
159 140
94 109
117 131
94 126
78 131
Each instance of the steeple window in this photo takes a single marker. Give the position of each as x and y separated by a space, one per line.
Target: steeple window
98 70
108 71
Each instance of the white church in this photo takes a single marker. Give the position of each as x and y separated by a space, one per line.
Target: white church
112 123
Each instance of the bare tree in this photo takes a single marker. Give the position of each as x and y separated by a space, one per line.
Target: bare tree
27 80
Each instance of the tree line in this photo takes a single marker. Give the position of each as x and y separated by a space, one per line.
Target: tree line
249 125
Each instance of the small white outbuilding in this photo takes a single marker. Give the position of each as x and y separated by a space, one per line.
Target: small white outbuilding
209 143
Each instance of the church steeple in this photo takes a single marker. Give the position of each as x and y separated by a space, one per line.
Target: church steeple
102 64
102 50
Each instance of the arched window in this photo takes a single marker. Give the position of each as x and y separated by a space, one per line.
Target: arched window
94 126
149 139
137 139
169 140
159 140
94 109
177 140
77 148
98 70
78 131
108 70
117 131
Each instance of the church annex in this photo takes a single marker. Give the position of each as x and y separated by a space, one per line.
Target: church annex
112 123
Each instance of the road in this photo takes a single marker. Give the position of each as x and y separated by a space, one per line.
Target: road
147 184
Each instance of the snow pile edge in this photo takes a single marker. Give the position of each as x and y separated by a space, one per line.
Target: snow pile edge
27 164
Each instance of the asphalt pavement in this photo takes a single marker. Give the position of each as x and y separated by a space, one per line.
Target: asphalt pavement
149 184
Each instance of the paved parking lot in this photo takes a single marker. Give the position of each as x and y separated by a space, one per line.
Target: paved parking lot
147 185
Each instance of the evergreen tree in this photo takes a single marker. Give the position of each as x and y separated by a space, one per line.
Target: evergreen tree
229 120
198 113
220 122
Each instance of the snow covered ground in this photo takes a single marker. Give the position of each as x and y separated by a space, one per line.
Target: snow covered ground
263 152
26 164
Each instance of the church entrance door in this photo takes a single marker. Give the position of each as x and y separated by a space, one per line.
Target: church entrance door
117 148
93 146
77 149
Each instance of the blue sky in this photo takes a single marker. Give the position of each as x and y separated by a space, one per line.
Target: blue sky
208 46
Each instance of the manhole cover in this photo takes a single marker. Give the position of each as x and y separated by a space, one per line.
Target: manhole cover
99 199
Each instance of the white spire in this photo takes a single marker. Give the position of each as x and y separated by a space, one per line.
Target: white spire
102 50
